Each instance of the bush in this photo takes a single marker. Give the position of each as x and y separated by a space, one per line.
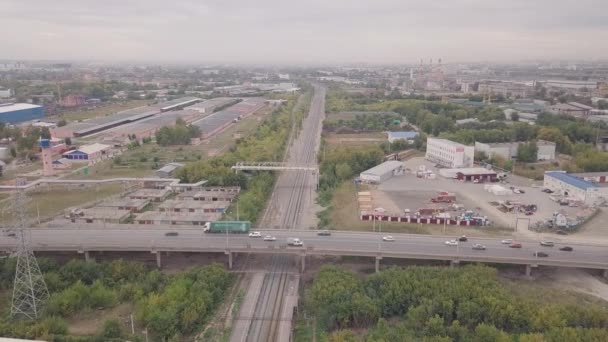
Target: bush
80 297
111 329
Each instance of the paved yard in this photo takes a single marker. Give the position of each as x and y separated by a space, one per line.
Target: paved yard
410 192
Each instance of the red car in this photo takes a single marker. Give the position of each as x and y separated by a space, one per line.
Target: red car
515 245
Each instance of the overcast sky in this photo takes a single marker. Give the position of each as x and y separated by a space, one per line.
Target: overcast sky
311 31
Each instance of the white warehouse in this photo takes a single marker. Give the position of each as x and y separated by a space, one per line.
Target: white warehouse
508 150
448 153
382 172
574 187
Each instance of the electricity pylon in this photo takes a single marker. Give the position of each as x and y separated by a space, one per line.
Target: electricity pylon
29 290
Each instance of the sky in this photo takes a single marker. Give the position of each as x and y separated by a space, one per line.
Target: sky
311 31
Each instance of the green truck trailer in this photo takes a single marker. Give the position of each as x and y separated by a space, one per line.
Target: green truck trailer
231 227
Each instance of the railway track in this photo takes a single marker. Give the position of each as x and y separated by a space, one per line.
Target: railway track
292 196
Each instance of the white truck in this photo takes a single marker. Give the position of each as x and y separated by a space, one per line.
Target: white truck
295 242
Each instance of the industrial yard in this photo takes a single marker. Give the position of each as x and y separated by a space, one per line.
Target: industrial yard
520 209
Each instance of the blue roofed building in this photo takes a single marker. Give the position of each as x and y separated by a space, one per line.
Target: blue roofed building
408 136
579 188
14 113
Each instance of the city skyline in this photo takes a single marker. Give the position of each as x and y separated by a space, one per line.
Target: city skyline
315 32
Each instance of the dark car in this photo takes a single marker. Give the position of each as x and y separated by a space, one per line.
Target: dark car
548 191
566 249
171 234
561 232
515 245
540 254
324 233
463 238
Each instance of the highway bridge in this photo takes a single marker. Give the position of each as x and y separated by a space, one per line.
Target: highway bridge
340 243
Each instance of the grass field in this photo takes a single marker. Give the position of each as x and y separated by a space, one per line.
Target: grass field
334 139
47 204
83 114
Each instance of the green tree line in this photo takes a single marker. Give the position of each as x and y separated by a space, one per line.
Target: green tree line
441 304
168 306
268 143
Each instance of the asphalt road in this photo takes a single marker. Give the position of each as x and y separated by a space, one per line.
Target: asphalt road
339 243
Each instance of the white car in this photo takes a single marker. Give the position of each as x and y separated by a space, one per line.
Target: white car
451 243
255 234
388 238
270 238
507 241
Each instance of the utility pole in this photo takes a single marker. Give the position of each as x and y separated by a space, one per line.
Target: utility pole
29 290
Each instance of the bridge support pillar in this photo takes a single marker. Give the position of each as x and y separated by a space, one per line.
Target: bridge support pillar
454 263
529 270
87 257
302 263
158 258
605 274
229 260
378 258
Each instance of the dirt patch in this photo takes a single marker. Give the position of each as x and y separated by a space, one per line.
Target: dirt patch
563 285
91 323
356 139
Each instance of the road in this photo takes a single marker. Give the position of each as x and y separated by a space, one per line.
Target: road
339 243
289 208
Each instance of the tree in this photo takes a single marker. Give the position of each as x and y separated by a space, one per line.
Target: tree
61 123
527 152
68 141
515 116
343 171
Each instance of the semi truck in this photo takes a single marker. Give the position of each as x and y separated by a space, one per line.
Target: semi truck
228 227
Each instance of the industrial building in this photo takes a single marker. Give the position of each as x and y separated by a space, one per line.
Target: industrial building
571 108
192 206
5 93
149 126
211 194
408 136
96 125
154 195
168 170
470 174
575 187
508 150
211 105
190 219
14 113
505 88
449 154
382 172
132 205
99 215
90 153
217 122
180 103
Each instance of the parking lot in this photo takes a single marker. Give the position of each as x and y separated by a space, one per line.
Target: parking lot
411 192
